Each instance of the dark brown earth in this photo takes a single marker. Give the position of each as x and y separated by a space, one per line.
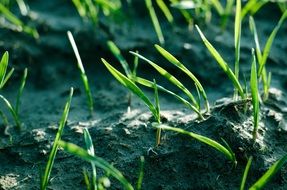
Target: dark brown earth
121 137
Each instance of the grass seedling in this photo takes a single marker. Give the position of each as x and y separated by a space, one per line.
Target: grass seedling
141 174
157 108
244 177
224 66
4 77
155 21
255 95
18 24
262 56
227 152
237 37
97 161
53 153
83 74
91 151
269 174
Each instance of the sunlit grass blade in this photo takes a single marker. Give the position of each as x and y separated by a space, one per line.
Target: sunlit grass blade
136 62
244 177
269 174
222 63
170 78
80 7
82 71
117 53
20 91
253 29
99 162
131 86
12 111
178 64
255 95
3 69
91 151
157 108
228 154
150 84
155 21
237 37
269 43
141 174
50 163
164 8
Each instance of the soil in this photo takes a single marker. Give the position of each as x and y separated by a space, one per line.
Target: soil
121 137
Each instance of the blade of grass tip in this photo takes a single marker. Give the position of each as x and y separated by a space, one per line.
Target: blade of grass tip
269 174
155 21
254 94
269 42
12 111
20 91
169 77
141 174
7 77
117 53
91 151
244 177
82 71
178 64
229 155
237 36
99 162
131 86
149 84
50 163
222 63
3 68
253 29
164 8
157 108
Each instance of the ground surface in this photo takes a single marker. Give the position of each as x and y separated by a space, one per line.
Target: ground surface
121 138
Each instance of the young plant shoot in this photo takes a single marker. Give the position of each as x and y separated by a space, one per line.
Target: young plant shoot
245 174
141 174
83 74
4 76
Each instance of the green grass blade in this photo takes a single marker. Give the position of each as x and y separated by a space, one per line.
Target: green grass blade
7 77
12 111
136 62
87 179
269 42
244 177
237 36
178 64
141 174
91 151
150 84
164 8
80 7
99 162
169 77
50 163
222 63
131 86
157 108
82 71
269 174
255 95
155 21
3 68
117 53
256 39
218 7
229 155
20 91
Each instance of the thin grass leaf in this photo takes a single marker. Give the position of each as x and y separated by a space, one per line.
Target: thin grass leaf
178 64
157 108
150 84
141 174
99 162
244 177
87 179
50 163
229 155
218 7
136 62
237 36
117 53
269 174
7 77
269 42
164 8
169 77
255 95
222 63
91 151
253 29
3 69
131 86
155 21
82 71
20 91
12 111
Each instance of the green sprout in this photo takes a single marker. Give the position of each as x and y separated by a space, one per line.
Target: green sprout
244 177
97 161
141 173
53 153
82 71
4 77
